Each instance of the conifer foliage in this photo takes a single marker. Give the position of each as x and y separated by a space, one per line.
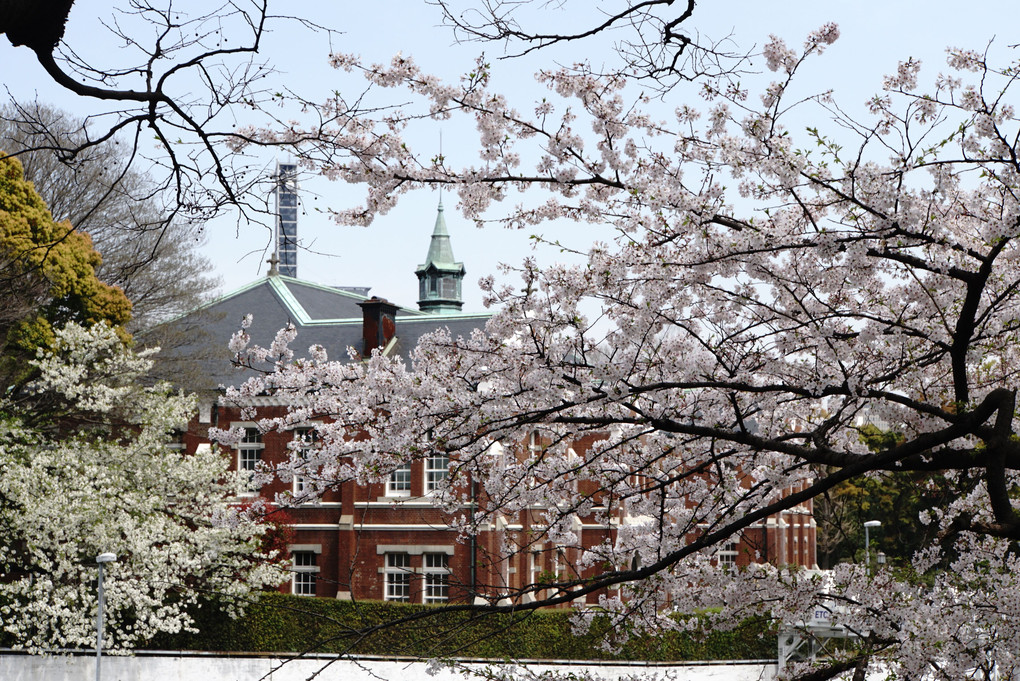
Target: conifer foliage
47 276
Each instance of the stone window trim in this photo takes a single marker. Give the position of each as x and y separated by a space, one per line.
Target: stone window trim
414 550
297 566
432 573
385 549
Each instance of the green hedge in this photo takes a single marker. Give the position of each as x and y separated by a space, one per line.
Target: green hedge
281 623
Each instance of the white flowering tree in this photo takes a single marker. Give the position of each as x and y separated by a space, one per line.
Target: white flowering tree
770 293
90 469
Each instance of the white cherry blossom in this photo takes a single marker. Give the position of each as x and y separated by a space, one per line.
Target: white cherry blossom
771 290
99 475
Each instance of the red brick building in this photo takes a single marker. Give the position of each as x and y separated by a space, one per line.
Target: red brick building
389 540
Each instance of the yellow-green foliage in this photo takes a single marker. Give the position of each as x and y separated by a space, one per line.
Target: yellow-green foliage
32 244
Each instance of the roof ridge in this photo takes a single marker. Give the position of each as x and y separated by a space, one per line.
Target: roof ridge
288 299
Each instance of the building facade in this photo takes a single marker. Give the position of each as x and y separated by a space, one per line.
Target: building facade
390 540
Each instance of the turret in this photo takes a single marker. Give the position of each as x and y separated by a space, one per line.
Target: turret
439 279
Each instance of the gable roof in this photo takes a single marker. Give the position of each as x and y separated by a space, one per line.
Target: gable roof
323 315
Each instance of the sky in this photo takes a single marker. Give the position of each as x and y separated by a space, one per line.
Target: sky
874 37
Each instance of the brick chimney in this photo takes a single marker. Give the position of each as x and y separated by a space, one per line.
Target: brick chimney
379 325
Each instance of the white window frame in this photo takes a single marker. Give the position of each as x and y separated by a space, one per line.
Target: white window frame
534 442
437 469
436 568
249 452
726 557
399 482
397 577
308 436
534 571
305 573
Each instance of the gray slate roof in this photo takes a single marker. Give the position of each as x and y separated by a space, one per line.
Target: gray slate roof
323 315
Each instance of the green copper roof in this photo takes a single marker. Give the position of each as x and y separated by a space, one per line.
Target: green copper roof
440 254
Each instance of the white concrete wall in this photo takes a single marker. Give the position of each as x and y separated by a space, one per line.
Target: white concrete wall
180 667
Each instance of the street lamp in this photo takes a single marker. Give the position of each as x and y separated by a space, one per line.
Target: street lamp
102 558
867 539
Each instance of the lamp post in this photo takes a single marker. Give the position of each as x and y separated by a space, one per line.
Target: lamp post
867 539
101 559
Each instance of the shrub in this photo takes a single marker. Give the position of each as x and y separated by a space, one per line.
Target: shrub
283 623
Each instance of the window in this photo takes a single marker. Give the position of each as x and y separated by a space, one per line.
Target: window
398 577
727 556
437 577
304 573
536 571
249 453
437 468
534 442
399 484
305 439
448 288
176 440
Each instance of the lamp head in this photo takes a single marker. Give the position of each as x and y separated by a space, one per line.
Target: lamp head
106 558
873 523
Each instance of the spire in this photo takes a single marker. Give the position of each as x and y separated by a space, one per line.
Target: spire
440 250
439 279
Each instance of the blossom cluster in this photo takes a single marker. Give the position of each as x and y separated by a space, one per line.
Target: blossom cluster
107 478
768 295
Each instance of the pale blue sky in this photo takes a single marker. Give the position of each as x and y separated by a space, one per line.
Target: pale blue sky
874 37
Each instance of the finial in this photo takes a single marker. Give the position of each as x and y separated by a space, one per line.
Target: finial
274 262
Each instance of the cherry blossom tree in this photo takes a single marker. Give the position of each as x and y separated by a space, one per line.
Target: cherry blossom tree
652 40
90 469
188 76
771 294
